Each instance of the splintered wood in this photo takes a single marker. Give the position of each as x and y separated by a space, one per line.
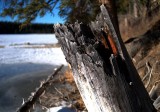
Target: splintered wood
103 71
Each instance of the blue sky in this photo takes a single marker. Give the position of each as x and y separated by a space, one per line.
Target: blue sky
48 18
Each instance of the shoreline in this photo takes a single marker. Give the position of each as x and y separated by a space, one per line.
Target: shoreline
15 88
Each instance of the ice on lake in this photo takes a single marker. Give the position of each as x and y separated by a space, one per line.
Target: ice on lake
11 54
22 68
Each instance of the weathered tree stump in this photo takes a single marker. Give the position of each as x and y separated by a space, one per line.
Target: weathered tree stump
102 69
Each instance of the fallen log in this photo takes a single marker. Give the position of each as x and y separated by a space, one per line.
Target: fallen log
27 105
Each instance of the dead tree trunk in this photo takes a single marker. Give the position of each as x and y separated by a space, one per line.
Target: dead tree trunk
102 68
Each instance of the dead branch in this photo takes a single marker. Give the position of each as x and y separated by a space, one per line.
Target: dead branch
149 74
148 71
32 99
149 80
58 91
153 92
157 103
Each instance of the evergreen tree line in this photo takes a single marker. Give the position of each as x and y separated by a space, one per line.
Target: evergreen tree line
71 11
14 28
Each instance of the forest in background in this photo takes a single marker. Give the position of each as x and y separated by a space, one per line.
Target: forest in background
13 28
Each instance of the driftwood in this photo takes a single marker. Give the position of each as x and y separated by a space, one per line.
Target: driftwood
27 105
102 69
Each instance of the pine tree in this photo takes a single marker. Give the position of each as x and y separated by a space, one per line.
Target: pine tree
26 11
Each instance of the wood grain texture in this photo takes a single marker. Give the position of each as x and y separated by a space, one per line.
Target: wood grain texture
100 89
107 82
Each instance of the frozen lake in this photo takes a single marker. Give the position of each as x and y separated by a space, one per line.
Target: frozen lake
23 67
14 49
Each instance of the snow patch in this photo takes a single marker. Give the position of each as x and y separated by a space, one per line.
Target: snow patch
61 109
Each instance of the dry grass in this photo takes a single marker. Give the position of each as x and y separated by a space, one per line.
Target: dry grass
68 75
63 89
152 58
133 27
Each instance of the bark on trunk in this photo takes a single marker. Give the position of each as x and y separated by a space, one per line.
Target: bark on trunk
102 68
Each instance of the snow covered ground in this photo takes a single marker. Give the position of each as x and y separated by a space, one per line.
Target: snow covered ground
21 69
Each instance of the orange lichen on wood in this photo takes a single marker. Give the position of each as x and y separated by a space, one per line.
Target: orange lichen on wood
111 41
103 40
113 45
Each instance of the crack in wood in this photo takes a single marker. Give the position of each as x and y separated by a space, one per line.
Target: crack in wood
100 69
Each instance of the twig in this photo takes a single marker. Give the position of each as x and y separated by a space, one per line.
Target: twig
58 91
32 99
157 103
149 73
153 91
148 69
149 80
